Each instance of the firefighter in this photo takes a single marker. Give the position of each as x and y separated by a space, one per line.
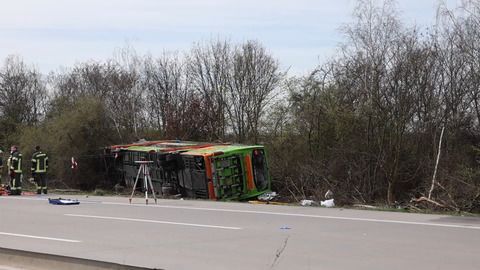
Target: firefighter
15 169
39 170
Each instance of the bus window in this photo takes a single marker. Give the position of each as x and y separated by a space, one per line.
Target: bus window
259 169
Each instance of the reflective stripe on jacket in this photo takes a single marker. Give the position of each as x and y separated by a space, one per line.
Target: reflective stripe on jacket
15 162
39 162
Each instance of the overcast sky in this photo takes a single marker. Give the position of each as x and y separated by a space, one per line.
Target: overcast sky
300 33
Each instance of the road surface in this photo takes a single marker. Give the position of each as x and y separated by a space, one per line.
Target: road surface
187 234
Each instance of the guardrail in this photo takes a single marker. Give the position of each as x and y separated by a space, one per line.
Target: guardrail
41 261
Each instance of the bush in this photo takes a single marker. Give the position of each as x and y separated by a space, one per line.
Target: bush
81 131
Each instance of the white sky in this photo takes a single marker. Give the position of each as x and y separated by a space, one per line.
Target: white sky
300 33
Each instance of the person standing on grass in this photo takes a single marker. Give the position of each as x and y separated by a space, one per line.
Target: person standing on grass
15 171
39 170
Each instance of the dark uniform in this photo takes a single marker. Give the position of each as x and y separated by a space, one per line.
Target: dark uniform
15 168
39 170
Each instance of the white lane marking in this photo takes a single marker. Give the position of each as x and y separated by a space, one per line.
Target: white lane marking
45 199
156 221
36 198
306 215
40 237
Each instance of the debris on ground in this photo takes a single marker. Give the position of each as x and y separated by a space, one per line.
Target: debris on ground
271 197
267 202
307 202
427 200
365 206
61 201
4 190
329 195
423 201
327 203
268 196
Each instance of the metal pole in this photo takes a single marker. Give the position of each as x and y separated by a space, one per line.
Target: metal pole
151 186
135 185
145 182
146 179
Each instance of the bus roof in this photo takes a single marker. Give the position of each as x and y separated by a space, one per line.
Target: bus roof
186 147
219 149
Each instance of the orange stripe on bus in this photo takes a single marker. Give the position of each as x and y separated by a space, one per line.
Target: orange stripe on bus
208 170
211 191
248 165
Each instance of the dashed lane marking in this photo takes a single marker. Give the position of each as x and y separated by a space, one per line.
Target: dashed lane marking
156 221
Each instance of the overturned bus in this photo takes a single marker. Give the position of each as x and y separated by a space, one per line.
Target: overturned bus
216 171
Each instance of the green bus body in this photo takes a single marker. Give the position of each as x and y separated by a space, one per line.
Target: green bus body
196 170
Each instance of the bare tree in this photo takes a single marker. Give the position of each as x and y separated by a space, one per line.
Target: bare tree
22 95
207 67
251 82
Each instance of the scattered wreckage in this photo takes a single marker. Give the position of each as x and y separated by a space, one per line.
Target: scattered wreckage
328 202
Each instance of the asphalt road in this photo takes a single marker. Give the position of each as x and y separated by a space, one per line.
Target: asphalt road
184 234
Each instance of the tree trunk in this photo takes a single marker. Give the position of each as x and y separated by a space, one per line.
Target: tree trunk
390 194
